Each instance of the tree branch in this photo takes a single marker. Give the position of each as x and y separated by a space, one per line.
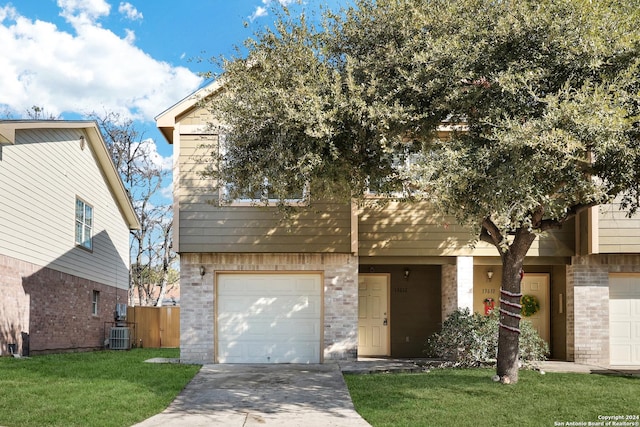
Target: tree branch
490 233
548 224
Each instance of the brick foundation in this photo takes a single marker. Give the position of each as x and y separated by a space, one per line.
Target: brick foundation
50 311
197 298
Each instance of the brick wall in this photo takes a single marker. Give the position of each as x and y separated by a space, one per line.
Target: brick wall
53 308
449 290
197 298
457 286
14 304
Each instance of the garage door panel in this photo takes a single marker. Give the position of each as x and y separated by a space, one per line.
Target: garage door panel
242 284
305 286
284 323
620 354
278 307
253 352
297 331
269 318
619 309
635 308
635 331
624 320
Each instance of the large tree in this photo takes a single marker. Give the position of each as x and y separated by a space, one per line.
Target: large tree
143 175
541 99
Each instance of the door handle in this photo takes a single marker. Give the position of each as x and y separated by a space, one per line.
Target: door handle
384 322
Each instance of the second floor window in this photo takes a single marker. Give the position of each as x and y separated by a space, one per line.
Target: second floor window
261 192
264 194
84 224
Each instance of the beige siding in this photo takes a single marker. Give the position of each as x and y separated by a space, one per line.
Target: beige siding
404 229
617 233
195 117
204 226
193 157
40 178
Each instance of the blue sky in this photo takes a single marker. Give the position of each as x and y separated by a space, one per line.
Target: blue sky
135 57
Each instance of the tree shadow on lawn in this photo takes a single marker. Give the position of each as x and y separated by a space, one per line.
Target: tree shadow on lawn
548 396
447 382
632 374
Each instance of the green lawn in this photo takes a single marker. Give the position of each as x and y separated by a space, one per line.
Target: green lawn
104 388
468 397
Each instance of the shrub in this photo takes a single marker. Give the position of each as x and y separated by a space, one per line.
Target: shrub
470 340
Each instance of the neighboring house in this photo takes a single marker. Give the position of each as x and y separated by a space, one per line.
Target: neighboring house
65 219
341 281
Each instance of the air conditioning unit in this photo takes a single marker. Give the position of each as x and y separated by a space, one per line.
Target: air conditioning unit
119 338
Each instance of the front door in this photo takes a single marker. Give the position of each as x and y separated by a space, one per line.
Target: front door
373 315
538 285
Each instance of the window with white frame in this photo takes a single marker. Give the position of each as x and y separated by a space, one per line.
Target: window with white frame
259 195
95 299
263 194
395 184
84 224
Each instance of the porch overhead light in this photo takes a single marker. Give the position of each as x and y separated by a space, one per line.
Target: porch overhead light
406 273
202 271
489 274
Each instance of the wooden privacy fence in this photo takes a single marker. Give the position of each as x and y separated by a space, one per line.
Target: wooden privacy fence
155 327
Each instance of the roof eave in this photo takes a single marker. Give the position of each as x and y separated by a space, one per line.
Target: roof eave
166 121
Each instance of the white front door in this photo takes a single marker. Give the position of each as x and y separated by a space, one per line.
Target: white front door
268 317
538 285
624 320
373 315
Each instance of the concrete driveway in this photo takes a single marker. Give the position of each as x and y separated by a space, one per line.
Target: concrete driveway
264 395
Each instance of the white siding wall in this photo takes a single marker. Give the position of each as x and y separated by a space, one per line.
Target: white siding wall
40 178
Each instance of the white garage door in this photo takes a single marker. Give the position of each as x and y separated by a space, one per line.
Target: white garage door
268 318
624 319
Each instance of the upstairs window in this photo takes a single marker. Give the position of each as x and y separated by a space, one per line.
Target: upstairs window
84 225
396 183
261 193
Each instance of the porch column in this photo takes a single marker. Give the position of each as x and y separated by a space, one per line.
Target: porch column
464 267
457 286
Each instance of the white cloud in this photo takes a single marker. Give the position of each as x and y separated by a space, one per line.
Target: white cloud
167 192
130 36
129 11
83 11
150 149
91 69
262 10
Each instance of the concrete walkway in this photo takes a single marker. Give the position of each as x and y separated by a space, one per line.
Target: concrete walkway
265 395
295 395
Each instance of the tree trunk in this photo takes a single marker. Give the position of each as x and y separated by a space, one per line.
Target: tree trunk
166 261
509 335
510 294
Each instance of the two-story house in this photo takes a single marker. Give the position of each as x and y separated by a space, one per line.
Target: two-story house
65 219
339 281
